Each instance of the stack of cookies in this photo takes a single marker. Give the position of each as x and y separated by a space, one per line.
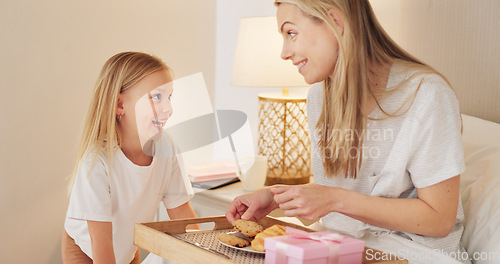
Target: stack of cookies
252 233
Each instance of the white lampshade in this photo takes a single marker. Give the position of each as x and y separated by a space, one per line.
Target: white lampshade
257 60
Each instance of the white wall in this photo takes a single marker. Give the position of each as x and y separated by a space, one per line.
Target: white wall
50 54
459 38
388 14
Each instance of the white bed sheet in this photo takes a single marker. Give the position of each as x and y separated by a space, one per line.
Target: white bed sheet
480 189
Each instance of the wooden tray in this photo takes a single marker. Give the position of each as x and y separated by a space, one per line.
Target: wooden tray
153 238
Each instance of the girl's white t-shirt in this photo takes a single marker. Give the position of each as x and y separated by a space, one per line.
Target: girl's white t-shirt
123 193
417 149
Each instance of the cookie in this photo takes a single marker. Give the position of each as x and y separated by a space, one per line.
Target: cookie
247 228
275 230
233 240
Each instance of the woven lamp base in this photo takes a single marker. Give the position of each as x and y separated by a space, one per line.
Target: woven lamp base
284 139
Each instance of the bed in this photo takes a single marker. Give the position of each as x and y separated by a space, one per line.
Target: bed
480 189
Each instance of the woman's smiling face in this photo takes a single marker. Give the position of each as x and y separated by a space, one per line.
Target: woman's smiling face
308 42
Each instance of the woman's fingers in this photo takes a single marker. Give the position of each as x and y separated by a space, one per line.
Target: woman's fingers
231 213
284 194
249 213
236 209
289 205
252 206
278 189
292 212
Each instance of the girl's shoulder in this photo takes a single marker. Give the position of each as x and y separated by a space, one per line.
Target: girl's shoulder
97 157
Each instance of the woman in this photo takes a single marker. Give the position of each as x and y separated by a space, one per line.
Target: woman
387 151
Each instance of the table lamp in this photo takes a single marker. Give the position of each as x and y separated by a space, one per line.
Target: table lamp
283 128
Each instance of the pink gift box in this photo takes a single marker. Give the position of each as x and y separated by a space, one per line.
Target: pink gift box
313 248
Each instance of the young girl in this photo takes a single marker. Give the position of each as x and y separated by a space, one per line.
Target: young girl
119 179
387 152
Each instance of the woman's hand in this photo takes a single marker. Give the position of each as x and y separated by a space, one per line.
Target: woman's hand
431 213
252 206
309 201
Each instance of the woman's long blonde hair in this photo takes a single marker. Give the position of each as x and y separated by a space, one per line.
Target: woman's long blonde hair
362 44
101 130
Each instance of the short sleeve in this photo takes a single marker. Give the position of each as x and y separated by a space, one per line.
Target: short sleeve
179 190
90 198
437 151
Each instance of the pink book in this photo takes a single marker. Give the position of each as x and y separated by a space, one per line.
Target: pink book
212 171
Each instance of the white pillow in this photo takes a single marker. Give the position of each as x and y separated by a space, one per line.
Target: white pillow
480 189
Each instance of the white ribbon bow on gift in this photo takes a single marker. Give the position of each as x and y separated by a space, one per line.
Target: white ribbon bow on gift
330 239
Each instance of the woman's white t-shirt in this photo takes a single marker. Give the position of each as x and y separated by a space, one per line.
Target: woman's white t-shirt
415 150
123 193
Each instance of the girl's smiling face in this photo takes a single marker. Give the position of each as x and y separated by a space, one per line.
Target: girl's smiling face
147 106
153 110
308 42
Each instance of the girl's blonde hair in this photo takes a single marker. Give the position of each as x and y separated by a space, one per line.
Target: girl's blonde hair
363 43
101 130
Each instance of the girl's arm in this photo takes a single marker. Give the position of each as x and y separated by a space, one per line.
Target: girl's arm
101 236
183 211
433 213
